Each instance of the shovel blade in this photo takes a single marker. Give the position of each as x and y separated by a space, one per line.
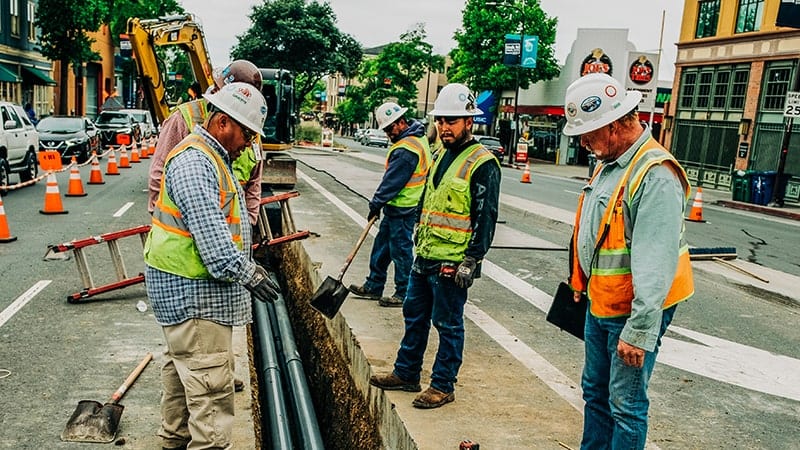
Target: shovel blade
93 422
329 297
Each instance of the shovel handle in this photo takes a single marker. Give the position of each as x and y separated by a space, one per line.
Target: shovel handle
123 388
353 252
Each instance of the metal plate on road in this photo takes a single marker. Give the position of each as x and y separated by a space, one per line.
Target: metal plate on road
792 106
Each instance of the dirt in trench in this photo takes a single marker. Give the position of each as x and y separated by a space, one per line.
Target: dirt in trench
342 412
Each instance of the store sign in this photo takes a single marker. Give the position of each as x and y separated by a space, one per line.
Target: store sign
642 76
596 62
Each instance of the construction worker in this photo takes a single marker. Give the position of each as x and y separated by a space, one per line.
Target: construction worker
407 163
456 227
179 124
628 255
199 270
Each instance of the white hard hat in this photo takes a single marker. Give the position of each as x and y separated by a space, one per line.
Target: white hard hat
387 113
243 102
455 100
594 101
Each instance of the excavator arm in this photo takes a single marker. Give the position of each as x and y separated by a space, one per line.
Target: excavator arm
146 35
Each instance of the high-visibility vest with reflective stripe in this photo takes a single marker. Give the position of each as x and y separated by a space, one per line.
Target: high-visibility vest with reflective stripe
610 289
195 113
170 246
445 227
409 196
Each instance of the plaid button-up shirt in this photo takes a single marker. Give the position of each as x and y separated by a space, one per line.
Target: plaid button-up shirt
191 182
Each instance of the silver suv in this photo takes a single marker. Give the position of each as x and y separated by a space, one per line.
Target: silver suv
145 121
19 142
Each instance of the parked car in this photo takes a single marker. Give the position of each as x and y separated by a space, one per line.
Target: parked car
69 135
19 141
145 121
117 128
374 137
358 134
491 143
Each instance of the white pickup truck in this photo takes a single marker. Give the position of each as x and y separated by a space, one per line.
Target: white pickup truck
19 143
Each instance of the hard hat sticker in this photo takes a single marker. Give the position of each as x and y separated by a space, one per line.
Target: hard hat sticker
611 91
591 103
572 109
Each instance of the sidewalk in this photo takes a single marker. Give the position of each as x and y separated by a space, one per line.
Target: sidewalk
717 197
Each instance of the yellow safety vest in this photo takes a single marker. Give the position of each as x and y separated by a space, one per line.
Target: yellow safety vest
445 226
169 246
409 196
611 281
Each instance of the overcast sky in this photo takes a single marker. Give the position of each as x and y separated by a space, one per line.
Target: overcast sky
374 23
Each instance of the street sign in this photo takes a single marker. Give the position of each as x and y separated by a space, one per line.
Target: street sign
530 47
792 106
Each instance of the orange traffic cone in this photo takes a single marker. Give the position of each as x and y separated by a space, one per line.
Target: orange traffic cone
5 234
135 153
124 162
152 146
112 168
696 213
95 176
526 174
52 198
75 187
143 153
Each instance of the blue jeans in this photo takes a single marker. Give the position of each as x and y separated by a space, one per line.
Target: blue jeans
431 299
393 243
615 413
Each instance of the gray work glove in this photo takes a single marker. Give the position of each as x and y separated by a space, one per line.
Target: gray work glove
262 287
466 272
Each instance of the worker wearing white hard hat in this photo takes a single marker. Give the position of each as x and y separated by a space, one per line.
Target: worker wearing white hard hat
397 196
628 255
457 217
200 272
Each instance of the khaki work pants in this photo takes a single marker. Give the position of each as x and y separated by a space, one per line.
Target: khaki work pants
197 403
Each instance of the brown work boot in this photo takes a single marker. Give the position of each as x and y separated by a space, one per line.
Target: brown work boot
392 382
360 291
433 398
391 302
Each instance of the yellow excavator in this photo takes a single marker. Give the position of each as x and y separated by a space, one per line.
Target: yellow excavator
183 31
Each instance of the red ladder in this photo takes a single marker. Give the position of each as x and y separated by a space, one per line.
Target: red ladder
289 232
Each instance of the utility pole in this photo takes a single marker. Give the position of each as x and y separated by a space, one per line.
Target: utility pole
779 188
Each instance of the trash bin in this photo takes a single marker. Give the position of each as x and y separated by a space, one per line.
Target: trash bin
763 183
741 185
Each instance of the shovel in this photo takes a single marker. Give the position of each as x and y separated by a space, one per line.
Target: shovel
331 293
93 422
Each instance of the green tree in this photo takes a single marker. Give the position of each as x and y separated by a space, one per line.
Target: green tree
394 73
477 61
64 24
299 37
353 109
122 10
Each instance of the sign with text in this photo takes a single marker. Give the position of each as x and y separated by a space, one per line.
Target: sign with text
642 76
50 160
512 50
792 106
521 51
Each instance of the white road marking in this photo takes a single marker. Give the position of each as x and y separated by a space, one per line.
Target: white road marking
122 210
22 300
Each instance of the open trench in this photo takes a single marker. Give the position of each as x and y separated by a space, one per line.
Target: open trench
350 414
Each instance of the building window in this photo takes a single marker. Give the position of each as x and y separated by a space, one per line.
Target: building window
714 88
750 15
739 88
31 18
776 84
14 17
707 17
721 84
687 90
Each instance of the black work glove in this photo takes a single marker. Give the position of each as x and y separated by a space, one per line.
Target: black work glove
466 272
373 212
262 287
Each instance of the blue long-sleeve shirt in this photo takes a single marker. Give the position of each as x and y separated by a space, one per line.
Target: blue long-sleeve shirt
401 166
656 217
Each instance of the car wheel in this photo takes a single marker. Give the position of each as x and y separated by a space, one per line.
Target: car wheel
31 168
5 174
83 156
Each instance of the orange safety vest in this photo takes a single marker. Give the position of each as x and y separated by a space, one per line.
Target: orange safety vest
610 289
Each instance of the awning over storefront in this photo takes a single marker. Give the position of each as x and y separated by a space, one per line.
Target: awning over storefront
40 76
7 75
